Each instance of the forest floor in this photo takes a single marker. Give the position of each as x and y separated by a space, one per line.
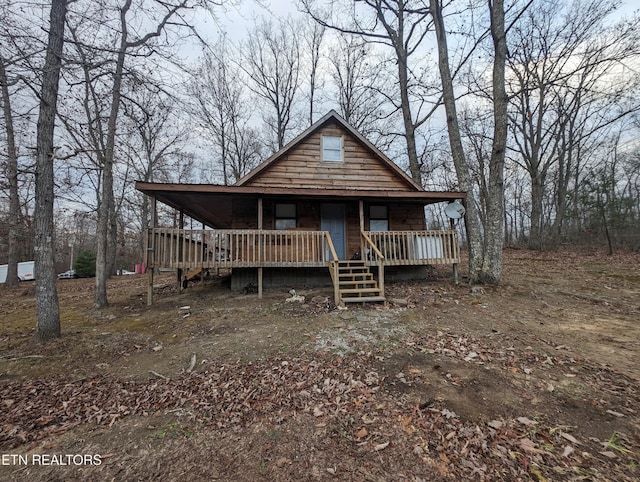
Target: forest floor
536 379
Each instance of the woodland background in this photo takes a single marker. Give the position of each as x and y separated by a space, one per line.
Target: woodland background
207 90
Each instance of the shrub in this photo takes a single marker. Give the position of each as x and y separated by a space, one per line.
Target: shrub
85 264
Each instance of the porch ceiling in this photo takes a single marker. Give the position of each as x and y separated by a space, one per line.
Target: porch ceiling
211 204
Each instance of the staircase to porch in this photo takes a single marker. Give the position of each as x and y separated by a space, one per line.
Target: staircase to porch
355 283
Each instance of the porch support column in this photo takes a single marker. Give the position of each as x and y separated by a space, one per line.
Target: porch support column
202 255
180 249
150 253
455 265
260 239
361 215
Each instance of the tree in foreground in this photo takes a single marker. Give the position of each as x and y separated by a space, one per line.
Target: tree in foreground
48 311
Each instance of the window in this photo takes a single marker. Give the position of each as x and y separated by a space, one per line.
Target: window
332 148
378 218
285 216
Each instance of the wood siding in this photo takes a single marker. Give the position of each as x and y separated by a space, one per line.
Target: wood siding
303 167
402 217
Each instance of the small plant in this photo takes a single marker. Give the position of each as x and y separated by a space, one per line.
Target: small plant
174 429
612 443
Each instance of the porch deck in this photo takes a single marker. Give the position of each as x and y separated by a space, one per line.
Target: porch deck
201 249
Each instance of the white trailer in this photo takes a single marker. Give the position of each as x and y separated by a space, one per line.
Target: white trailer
25 271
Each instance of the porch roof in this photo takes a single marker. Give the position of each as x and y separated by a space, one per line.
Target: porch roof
212 203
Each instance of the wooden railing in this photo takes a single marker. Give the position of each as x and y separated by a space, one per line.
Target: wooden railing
229 248
232 248
413 247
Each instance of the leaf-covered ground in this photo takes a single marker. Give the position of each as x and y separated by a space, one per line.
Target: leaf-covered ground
534 380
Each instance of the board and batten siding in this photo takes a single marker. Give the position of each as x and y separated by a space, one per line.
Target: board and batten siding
303 167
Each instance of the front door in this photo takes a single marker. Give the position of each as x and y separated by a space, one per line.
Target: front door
333 220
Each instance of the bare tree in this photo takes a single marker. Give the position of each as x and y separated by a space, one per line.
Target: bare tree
18 46
313 35
48 311
357 77
401 25
568 81
120 41
272 62
486 238
154 141
12 178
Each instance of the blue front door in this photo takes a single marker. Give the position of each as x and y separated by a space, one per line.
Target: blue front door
333 220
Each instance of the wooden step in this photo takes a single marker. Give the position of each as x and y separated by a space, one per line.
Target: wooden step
356 276
353 269
351 262
357 291
364 299
358 282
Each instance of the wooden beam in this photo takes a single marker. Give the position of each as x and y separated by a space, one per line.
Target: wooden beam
361 215
260 283
150 250
260 214
453 241
180 251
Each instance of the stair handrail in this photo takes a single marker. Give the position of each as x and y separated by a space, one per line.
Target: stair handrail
374 248
332 249
380 258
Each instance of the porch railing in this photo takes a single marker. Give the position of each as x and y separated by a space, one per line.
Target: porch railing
229 248
413 247
233 248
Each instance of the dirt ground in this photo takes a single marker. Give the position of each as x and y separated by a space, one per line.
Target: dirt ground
536 379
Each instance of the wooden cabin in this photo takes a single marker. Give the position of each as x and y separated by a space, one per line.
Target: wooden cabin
327 208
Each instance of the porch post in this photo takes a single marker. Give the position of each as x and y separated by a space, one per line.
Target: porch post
260 220
202 255
361 215
455 265
151 251
180 249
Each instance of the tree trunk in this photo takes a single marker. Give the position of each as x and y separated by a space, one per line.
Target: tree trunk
12 179
106 205
409 127
463 170
494 226
537 194
48 311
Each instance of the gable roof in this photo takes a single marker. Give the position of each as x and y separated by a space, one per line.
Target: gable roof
331 117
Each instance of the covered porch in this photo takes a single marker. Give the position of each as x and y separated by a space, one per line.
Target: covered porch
346 232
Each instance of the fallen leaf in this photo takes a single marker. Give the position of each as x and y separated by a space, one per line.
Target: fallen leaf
526 421
381 446
529 446
497 424
608 453
363 432
569 437
568 450
615 414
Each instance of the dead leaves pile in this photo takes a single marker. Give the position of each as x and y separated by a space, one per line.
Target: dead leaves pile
343 397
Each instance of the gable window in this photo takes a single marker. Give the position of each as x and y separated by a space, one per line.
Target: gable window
332 148
285 216
378 218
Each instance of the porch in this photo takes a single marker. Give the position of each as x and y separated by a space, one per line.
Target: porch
206 249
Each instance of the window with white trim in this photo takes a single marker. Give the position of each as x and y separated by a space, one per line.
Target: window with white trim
332 148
